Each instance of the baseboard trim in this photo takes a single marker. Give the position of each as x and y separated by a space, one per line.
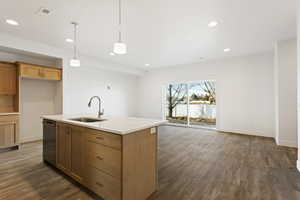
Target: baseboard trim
287 143
244 133
298 165
190 126
30 139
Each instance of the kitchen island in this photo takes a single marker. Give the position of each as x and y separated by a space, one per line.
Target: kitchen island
114 157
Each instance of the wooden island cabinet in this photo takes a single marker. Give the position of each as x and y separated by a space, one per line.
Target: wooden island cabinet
70 147
116 167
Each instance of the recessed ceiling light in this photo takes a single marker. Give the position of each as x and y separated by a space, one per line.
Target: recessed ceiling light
213 24
112 53
12 22
147 64
227 50
69 40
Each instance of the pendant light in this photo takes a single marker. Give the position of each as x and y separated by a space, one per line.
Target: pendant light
120 47
75 62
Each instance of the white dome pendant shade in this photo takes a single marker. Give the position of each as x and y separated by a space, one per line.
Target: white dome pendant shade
75 62
120 47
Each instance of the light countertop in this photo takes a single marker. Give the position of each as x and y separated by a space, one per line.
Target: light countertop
13 113
117 125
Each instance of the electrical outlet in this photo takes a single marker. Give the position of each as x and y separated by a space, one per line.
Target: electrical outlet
153 130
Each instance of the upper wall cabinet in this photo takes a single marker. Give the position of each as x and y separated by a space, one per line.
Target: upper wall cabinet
40 72
9 88
8 79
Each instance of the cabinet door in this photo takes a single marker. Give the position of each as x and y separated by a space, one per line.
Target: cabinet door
51 74
77 148
9 135
8 79
30 71
39 72
63 147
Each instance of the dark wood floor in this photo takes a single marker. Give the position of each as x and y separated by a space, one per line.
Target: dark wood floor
193 165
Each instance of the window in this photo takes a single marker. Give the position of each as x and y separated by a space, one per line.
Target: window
191 104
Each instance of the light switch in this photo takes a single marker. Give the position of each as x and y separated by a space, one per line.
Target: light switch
153 130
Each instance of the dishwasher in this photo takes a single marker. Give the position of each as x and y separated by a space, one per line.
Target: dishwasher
49 141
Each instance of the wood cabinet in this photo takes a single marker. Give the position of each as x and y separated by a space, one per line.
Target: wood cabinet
8 79
139 165
39 72
106 186
104 158
70 150
9 88
9 131
9 103
77 152
63 147
116 167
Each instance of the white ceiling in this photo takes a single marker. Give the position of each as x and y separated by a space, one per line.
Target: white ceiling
159 32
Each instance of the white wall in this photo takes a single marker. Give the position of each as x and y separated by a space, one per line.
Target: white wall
286 93
117 90
37 98
245 94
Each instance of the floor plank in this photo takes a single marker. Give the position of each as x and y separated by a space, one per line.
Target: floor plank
194 164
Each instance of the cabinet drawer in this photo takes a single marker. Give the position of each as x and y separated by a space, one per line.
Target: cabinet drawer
104 158
103 184
107 139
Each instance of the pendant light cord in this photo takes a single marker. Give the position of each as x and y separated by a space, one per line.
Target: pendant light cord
120 12
120 20
75 40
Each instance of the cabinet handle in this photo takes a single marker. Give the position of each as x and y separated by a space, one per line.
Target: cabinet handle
99 184
99 138
98 157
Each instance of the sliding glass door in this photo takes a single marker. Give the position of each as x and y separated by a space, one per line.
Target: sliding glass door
192 104
177 103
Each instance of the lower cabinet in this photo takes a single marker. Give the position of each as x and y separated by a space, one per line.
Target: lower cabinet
9 131
77 152
116 167
70 147
103 184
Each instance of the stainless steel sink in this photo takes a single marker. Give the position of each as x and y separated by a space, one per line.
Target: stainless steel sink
87 119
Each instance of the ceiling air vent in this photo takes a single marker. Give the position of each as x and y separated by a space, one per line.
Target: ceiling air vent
44 11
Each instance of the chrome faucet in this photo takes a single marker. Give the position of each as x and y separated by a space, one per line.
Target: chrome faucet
100 113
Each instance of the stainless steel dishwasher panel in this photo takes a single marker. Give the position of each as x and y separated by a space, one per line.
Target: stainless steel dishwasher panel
49 141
